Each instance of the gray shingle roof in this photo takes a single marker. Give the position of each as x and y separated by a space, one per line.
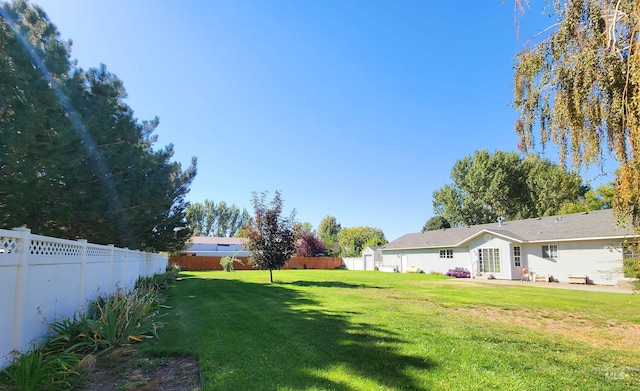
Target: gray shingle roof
591 225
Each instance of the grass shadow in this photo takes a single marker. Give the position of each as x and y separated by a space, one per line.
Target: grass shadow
257 336
327 284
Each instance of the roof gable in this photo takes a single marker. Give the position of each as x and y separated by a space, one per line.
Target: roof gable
502 234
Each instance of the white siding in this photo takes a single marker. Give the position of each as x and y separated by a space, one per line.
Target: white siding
220 253
429 259
368 262
599 260
194 248
493 242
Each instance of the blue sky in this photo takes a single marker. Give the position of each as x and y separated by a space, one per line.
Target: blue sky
355 109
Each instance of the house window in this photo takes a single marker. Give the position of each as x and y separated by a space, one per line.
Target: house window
516 256
550 251
489 260
448 253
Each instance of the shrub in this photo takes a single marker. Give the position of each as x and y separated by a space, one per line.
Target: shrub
227 263
173 270
73 335
631 269
124 317
36 370
459 272
121 318
158 281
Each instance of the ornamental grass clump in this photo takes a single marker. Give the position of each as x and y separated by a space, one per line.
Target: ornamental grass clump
227 263
159 281
73 335
118 319
38 370
459 272
124 317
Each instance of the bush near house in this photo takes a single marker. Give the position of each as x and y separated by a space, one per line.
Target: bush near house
459 272
631 268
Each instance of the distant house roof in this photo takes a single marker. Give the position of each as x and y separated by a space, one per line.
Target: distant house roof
587 225
216 240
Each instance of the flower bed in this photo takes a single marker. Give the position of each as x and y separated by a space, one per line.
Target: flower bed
459 272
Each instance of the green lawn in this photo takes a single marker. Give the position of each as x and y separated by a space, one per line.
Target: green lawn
350 330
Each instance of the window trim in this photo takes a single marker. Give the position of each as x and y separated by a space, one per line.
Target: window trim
551 251
517 258
446 253
493 260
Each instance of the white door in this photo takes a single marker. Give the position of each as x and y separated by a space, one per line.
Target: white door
368 262
404 263
517 265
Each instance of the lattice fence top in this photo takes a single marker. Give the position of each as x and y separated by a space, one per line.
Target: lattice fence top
98 252
40 247
8 245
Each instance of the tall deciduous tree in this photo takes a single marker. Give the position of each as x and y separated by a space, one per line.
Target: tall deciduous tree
595 199
308 244
270 236
580 84
328 231
74 160
354 240
211 219
304 227
436 222
487 186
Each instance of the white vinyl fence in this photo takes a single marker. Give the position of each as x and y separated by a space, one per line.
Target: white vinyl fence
44 279
353 263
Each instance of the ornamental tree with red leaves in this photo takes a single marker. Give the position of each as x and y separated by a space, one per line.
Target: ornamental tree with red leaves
271 238
309 245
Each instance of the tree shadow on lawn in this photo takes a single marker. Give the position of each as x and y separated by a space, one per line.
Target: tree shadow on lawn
257 336
327 284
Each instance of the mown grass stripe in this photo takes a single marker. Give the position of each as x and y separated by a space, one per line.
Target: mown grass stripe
345 330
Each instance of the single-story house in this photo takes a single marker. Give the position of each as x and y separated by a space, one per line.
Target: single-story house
587 244
211 246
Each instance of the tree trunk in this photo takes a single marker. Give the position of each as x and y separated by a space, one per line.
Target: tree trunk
271 275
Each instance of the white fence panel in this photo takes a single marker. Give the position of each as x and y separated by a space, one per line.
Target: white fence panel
133 269
8 276
98 272
353 263
47 279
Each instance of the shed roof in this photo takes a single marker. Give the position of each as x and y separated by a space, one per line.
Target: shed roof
576 226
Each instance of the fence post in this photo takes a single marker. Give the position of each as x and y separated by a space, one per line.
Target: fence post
21 289
111 251
126 269
83 261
